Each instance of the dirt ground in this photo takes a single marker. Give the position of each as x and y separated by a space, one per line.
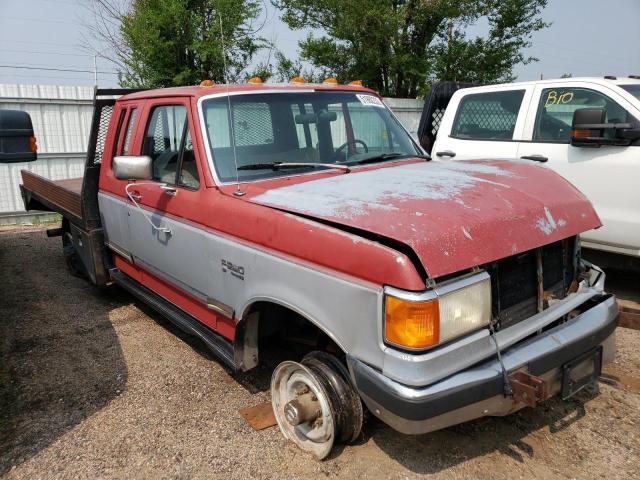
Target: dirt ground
95 385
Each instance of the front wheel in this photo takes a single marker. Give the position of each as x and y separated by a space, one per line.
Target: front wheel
315 403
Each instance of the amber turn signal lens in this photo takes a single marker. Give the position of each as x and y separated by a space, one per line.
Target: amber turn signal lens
33 144
580 133
412 324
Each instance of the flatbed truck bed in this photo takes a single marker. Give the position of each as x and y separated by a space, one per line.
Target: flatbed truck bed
62 196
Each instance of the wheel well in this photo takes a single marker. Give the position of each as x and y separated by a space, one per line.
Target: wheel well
271 332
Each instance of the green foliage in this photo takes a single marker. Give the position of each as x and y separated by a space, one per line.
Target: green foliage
177 42
398 46
285 69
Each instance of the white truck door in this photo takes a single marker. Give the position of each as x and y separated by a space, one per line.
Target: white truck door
606 175
483 122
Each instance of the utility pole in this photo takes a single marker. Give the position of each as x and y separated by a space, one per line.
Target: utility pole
450 34
95 69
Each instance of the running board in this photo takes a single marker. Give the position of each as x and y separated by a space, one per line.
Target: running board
220 347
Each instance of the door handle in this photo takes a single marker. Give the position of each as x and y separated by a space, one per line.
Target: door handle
535 158
169 189
446 153
135 196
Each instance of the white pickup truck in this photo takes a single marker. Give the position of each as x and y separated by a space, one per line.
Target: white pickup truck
586 129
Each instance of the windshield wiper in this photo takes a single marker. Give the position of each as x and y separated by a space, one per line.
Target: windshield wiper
388 156
275 166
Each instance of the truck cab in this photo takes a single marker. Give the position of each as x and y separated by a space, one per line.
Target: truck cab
306 216
535 122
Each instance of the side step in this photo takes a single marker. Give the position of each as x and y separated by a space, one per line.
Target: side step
219 346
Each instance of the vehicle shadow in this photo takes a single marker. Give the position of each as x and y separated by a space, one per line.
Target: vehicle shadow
430 453
60 358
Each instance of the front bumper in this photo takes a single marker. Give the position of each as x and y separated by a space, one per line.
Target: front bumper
479 391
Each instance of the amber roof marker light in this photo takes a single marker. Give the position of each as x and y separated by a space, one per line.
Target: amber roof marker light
255 81
330 81
206 83
297 80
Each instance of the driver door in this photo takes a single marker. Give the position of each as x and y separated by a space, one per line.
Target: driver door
163 242
606 175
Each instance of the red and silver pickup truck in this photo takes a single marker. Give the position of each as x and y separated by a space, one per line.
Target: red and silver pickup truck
305 216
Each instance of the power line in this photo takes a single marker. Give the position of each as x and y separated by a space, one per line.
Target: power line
46 53
84 78
72 67
59 1
56 69
39 43
26 19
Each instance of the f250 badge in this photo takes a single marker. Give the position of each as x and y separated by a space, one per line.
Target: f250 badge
235 270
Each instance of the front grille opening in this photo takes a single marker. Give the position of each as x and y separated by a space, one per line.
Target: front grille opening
523 284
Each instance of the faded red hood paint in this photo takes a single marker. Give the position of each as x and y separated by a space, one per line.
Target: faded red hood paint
453 214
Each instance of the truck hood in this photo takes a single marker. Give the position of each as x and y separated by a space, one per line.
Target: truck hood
453 214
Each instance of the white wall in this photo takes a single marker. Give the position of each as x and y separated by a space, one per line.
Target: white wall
61 119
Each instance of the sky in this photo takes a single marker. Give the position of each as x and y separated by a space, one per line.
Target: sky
43 41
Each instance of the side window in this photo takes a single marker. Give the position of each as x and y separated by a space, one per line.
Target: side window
555 112
127 137
338 126
488 116
188 170
371 129
252 124
162 140
307 132
116 146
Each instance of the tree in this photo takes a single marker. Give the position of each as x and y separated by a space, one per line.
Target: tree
283 69
162 43
398 46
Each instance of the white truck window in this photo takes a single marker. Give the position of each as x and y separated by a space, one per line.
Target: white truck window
556 108
488 116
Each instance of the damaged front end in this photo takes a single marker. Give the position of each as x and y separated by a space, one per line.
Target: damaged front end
551 328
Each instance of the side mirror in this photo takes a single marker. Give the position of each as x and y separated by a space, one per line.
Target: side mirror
588 129
17 141
132 167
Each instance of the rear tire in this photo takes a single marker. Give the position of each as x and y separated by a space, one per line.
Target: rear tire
71 257
315 403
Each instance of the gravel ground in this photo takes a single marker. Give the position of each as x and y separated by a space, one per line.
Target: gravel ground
95 385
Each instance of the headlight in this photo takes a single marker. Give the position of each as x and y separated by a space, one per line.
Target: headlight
421 320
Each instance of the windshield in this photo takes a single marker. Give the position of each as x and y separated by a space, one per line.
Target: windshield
307 127
633 89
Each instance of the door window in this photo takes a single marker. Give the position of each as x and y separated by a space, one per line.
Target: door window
162 140
188 169
488 116
556 108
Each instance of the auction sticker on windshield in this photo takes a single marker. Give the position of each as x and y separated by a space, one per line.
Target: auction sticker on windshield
370 100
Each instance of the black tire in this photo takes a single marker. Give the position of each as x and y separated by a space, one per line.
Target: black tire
71 257
344 398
